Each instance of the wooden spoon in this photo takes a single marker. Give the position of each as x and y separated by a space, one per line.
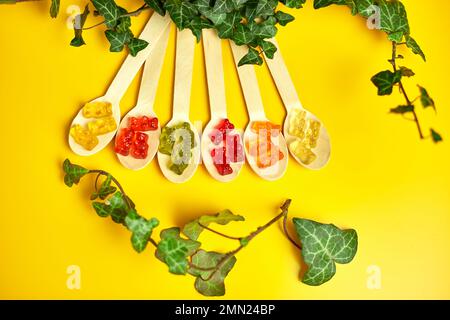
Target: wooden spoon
146 100
291 101
255 108
152 32
181 99
212 46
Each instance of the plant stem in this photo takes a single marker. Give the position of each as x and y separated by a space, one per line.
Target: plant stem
403 91
218 233
116 182
287 233
284 210
134 13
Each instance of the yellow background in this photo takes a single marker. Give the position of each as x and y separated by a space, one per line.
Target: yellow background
382 180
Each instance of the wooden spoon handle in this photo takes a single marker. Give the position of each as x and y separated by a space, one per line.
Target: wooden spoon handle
212 47
184 64
283 81
249 84
151 33
152 72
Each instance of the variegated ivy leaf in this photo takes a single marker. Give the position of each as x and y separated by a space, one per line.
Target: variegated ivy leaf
116 207
141 229
174 250
194 228
324 245
211 282
181 12
73 173
109 10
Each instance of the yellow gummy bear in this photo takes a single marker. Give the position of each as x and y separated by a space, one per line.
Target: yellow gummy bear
102 125
97 109
302 151
297 123
313 133
83 137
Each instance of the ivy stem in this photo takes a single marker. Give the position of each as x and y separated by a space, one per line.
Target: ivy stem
134 13
403 91
218 233
284 210
287 233
116 182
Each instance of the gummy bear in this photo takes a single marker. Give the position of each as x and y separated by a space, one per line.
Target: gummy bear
302 151
97 109
265 152
143 123
124 140
83 137
102 125
297 123
313 133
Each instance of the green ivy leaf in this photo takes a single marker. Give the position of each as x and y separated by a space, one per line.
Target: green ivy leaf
211 283
105 189
109 10
406 72
252 57
386 80
324 245
402 109
118 207
425 99
118 40
283 18
156 5
194 228
436 136
174 250
78 24
135 45
102 209
415 48
73 173
293 3
268 48
141 229
393 19
227 28
54 8
181 12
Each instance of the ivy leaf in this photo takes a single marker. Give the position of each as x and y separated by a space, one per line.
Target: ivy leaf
135 45
109 10
117 40
105 189
414 46
54 8
156 5
211 283
141 229
243 35
436 136
293 3
324 245
102 209
406 72
181 12
393 19
118 207
73 173
386 80
283 18
402 109
124 22
425 99
227 28
174 250
252 57
268 48
194 228
78 24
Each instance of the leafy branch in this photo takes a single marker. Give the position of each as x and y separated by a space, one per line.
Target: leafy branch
323 244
